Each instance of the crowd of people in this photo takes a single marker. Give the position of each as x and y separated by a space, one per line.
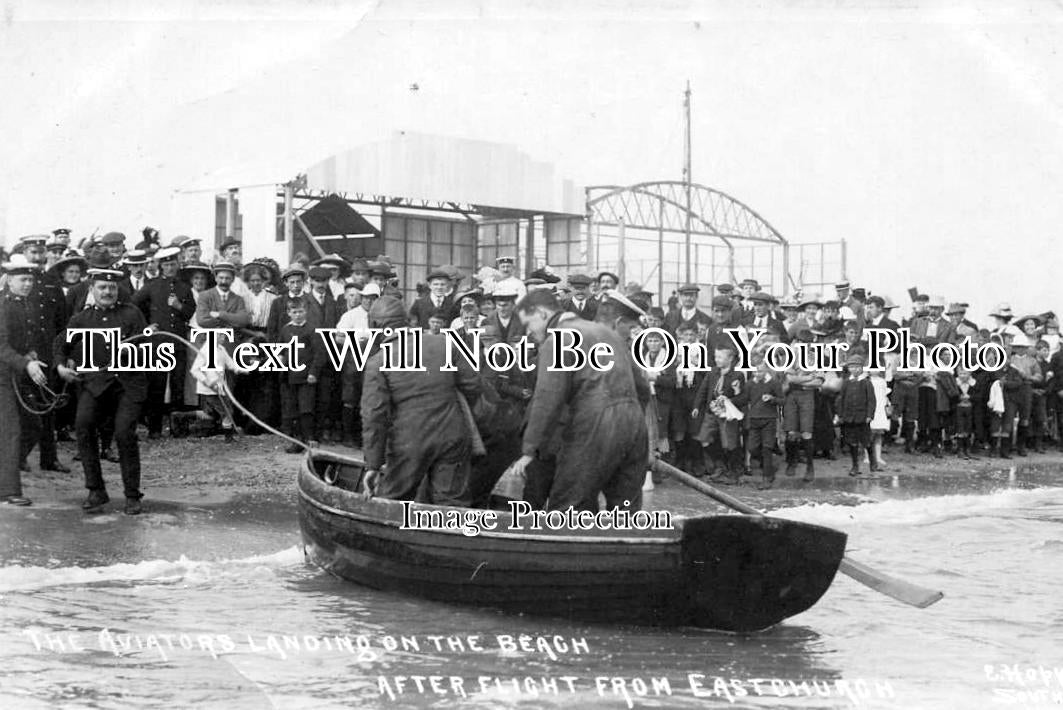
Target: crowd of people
449 436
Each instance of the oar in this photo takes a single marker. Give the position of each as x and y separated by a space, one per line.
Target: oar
900 590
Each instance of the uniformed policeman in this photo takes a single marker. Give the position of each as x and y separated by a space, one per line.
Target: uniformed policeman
49 316
167 304
13 365
104 392
191 248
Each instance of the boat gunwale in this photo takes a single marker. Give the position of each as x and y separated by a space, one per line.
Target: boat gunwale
670 537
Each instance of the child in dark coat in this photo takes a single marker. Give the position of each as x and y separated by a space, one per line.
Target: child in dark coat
765 397
855 408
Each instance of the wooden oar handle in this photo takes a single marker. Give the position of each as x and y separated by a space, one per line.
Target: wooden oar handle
663 467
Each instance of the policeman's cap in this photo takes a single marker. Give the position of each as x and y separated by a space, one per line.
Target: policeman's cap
109 275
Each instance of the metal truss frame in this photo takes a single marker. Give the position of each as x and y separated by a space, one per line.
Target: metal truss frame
662 206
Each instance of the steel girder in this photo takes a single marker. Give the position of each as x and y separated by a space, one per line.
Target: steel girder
662 206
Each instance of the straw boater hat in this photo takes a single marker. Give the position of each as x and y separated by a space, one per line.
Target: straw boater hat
135 257
336 261
225 266
1002 310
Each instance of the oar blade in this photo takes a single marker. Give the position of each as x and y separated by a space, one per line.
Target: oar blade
902 591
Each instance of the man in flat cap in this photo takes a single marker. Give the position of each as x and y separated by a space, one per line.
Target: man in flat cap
104 392
747 288
438 299
506 266
876 315
761 318
688 311
580 302
167 304
607 281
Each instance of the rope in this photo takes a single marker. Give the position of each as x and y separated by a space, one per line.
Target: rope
57 399
224 387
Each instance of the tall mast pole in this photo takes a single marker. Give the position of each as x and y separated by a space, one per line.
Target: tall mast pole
687 179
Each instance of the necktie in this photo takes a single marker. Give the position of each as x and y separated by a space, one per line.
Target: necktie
438 301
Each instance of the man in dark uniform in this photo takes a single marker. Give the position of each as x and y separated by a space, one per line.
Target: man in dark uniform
605 446
167 304
415 421
580 302
14 364
62 235
104 392
49 315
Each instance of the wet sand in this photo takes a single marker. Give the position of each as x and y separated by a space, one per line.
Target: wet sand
209 471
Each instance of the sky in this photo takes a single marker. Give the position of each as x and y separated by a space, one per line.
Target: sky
926 134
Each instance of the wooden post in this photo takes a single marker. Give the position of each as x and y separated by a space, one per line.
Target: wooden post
309 236
288 230
230 213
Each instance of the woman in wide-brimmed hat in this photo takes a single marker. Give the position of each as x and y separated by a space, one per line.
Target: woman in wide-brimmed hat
68 271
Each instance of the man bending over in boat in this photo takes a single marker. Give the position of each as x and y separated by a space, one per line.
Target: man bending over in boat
417 420
604 447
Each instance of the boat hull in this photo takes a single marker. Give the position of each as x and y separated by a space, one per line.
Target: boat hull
729 572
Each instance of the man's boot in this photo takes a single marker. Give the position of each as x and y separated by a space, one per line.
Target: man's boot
1036 444
709 463
1005 447
935 444
791 458
907 432
1020 441
854 456
873 460
810 469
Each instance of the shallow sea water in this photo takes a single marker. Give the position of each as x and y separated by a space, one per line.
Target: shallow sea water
214 606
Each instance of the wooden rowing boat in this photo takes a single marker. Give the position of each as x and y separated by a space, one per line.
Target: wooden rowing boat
729 572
